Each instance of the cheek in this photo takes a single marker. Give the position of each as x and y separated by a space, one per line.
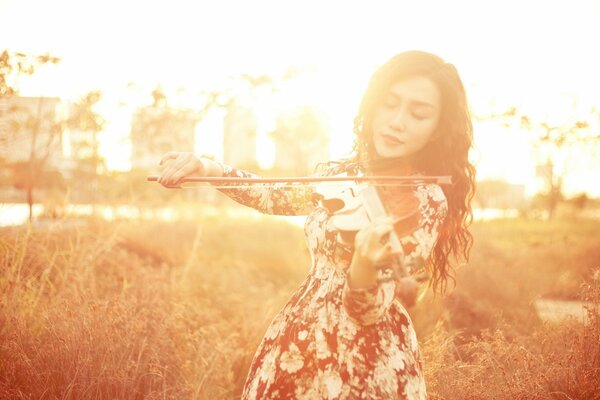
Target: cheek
425 130
379 120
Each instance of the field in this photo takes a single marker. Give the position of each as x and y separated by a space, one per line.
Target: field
131 310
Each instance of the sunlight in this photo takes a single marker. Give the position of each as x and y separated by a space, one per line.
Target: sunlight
113 285
548 79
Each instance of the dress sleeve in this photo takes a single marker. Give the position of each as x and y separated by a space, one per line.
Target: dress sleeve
366 306
268 198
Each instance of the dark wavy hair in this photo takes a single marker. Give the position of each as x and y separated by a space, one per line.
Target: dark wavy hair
445 154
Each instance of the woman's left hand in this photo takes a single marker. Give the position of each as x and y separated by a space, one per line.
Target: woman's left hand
370 248
407 289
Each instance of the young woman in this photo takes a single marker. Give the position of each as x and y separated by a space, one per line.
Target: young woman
344 334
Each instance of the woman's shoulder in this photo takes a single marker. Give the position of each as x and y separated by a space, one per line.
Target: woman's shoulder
431 195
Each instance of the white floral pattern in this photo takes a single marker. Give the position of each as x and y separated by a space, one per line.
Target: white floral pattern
331 341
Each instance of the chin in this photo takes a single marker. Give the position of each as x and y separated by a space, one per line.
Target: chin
388 153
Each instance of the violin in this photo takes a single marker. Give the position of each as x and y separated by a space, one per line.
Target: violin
356 206
359 204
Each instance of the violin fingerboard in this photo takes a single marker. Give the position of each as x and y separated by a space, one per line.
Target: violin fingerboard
372 203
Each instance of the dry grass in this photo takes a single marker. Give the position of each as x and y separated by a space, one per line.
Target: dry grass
549 362
156 310
487 341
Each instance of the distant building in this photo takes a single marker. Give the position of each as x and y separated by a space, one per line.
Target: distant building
156 130
239 137
29 127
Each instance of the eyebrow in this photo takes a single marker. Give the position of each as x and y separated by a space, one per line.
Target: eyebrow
419 103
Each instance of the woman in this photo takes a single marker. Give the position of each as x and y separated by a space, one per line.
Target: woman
344 334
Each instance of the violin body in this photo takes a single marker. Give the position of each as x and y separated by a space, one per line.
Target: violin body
355 206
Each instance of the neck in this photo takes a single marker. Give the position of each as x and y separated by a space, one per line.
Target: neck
390 166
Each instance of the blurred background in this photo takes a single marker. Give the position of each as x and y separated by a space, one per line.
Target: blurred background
94 93
114 287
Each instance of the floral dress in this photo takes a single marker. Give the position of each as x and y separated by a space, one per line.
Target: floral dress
331 341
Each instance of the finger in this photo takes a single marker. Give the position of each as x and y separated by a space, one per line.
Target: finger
366 241
379 256
172 171
184 162
360 244
378 234
384 254
166 178
381 226
181 173
385 238
184 167
171 155
407 289
167 162
177 159
361 236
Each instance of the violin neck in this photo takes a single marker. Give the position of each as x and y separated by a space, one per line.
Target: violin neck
375 209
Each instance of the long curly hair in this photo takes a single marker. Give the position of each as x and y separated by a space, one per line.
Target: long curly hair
445 154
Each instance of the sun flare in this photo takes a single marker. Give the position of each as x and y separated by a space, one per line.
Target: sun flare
195 51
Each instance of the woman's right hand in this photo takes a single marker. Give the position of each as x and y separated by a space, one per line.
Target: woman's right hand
179 165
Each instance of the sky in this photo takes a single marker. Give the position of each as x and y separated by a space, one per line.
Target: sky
537 55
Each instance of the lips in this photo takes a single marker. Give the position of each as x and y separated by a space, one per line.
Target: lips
389 139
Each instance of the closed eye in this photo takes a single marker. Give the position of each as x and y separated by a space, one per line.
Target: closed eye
419 116
421 112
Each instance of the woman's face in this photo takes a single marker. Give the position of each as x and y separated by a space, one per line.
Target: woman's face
406 118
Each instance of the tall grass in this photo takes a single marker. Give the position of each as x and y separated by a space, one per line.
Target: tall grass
140 311
548 362
165 311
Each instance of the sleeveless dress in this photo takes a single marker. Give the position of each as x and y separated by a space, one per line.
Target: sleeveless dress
331 341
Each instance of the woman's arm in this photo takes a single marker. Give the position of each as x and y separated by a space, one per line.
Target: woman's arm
278 199
273 198
365 299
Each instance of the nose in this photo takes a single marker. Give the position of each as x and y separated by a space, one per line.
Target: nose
398 120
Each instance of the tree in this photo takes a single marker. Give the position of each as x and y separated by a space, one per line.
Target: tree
35 127
558 140
39 132
552 141
13 65
84 124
